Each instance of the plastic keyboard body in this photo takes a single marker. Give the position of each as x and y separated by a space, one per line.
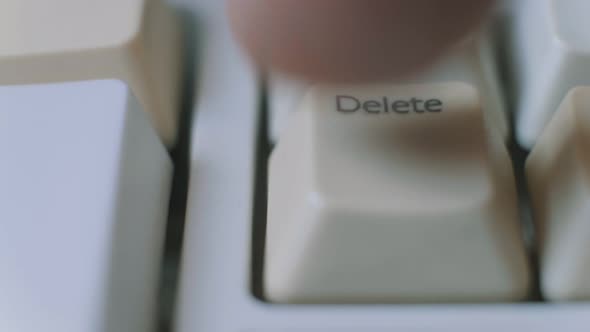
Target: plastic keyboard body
213 259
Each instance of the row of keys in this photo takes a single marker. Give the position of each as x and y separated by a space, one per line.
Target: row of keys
105 176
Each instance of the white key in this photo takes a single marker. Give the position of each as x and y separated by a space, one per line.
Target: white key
472 62
550 44
137 41
84 196
415 202
557 172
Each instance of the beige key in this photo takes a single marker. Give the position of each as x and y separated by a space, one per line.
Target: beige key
392 194
557 171
137 41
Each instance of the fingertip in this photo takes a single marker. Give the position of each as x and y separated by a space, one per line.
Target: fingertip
351 40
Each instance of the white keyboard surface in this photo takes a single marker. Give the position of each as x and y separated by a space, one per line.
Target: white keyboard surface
154 180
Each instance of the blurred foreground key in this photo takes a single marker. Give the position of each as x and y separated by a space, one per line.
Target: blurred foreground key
84 187
136 41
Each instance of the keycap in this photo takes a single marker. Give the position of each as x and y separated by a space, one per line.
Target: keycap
472 62
84 195
550 54
557 173
392 193
136 41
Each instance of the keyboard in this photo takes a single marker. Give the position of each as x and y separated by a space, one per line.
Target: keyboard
153 179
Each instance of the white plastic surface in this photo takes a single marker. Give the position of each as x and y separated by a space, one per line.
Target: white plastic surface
550 54
84 184
215 293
